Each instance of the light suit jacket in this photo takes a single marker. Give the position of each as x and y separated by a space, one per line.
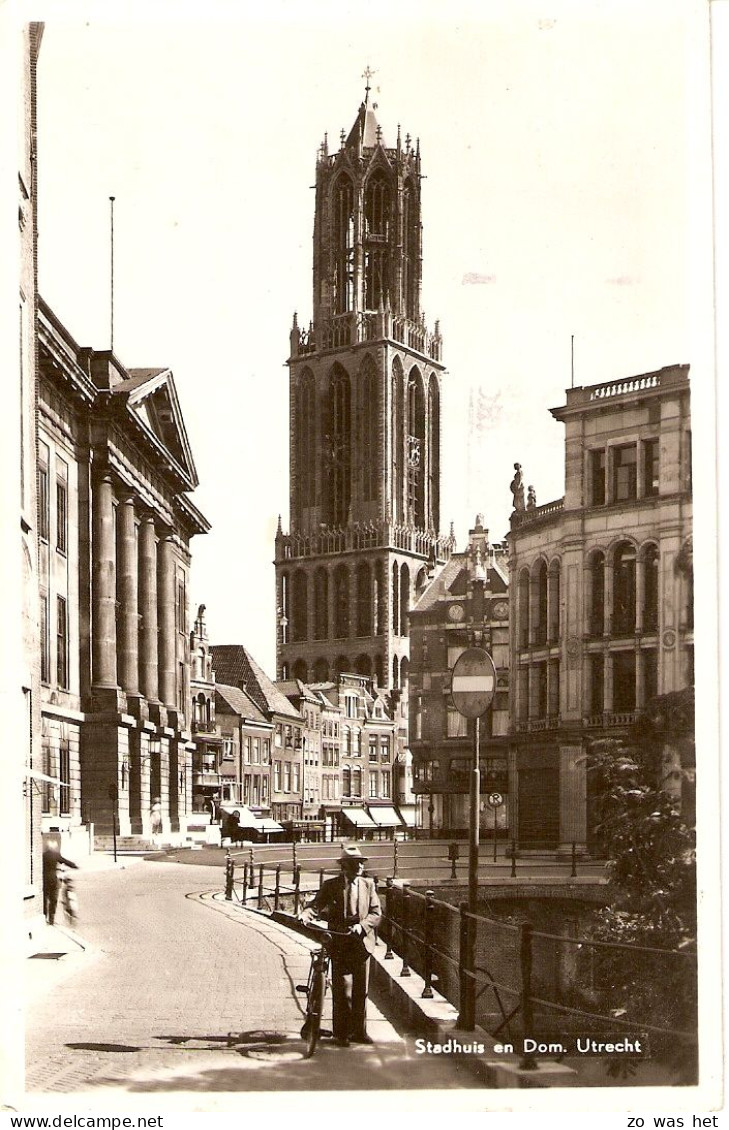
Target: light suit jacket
330 902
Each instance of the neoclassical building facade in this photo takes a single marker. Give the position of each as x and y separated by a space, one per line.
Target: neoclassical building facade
364 412
115 523
601 588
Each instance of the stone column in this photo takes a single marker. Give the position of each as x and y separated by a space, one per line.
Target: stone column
103 580
128 639
148 657
639 594
166 621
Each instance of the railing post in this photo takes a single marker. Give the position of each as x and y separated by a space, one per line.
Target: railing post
454 857
528 1062
513 859
297 888
462 964
277 887
260 886
229 874
390 921
293 851
405 971
394 859
573 873
245 881
321 877
427 992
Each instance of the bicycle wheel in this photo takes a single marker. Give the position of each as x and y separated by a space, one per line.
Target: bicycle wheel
314 1006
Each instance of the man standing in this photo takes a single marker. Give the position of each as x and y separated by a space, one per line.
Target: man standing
52 858
349 903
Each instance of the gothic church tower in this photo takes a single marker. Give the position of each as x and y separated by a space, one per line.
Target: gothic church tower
364 412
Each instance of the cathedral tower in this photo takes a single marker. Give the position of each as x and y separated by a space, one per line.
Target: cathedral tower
364 417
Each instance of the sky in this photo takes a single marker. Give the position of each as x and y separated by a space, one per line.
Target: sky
565 156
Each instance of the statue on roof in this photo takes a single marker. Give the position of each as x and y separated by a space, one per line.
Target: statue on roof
517 487
531 498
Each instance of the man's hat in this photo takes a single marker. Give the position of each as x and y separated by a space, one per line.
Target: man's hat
351 851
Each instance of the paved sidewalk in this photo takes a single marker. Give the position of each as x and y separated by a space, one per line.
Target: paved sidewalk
176 991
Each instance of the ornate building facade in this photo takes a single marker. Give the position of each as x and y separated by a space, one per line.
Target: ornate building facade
364 412
466 605
602 594
114 528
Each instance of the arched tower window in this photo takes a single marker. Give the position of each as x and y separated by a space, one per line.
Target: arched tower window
433 454
404 599
299 606
416 451
379 601
377 209
411 251
299 670
341 602
624 590
397 440
379 671
337 448
364 600
367 429
343 244
363 665
395 599
321 671
395 672
306 440
321 604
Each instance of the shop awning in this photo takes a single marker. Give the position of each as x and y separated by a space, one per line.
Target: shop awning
384 817
265 825
407 811
358 817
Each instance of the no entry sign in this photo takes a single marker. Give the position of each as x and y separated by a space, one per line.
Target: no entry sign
472 682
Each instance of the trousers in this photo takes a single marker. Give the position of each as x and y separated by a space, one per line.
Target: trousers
350 980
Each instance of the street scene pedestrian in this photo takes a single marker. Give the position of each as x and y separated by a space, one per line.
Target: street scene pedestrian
52 859
349 904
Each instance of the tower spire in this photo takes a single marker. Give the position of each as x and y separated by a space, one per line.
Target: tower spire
367 75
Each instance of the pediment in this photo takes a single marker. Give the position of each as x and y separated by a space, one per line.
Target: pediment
152 398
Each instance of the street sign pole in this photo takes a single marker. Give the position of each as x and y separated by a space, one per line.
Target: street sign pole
473 681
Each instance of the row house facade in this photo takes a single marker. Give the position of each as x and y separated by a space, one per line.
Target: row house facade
115 523
466 605
602 594
236 667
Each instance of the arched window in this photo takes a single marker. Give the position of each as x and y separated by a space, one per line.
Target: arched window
624 590
321 671
321 604
379 601
433 454
367 429
341 666
411 250
299 670
404 599
364 599
337 448
341 602
398 440
284 608
379 671
540 605
404 672
395 601
416 451
596 599
553 585
363 665
523 608
306 443
395 673
343 244
650 589
299 606
377 208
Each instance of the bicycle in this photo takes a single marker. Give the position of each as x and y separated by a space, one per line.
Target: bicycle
316 988
68 898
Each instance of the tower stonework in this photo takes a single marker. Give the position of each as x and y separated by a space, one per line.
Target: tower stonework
364 417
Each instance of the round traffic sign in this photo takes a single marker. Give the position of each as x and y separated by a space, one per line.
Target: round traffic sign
496 800
472 682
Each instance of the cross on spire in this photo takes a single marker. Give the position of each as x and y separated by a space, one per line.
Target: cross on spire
367 75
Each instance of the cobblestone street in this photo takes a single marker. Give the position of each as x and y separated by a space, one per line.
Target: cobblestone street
178 991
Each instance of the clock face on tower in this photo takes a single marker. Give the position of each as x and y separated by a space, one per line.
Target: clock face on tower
456 613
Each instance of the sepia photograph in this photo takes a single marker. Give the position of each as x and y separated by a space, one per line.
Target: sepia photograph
362 689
